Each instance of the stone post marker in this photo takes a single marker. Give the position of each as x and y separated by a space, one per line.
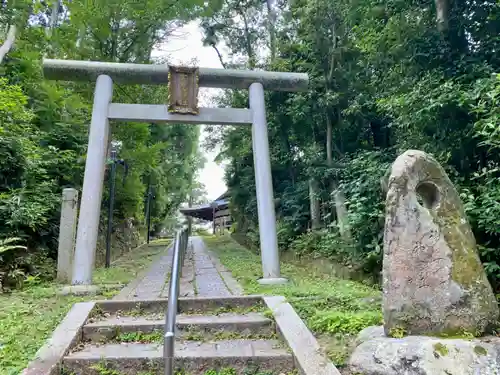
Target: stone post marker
433 280
67 234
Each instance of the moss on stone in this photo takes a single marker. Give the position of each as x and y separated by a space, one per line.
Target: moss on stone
467 270
397 332
441 349
479 350
458 334
466 267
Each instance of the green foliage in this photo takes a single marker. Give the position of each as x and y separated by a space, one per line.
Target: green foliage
142 337
384 78
344 322
7 244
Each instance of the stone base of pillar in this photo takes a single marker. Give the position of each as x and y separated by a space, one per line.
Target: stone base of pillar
82 290
79 290
273 281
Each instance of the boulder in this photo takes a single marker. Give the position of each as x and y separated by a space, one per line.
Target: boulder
433 280
420 355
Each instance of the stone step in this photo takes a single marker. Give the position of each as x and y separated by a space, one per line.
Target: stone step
194 357
186 305
248 324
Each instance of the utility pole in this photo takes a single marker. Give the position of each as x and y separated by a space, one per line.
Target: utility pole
190 219
111 201
111 205
148 211
214 207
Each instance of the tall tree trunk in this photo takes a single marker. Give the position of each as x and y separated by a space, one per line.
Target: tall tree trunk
284 132
336 192
271 19
329 138
248 42
54 15
81 36
442 15
341 210
8 43
314 204
219 55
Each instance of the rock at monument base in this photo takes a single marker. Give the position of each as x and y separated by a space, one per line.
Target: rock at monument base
369 333
433 279
421 355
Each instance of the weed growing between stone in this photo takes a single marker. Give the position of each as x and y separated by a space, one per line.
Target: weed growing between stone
334 309
102 369
230 371
257 307
192 334
141 337
28 316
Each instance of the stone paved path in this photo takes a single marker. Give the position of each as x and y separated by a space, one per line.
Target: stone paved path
211 278
202 275
152 283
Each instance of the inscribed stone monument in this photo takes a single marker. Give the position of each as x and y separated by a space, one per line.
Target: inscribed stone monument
433 280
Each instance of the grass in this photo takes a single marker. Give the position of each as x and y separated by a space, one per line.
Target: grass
334 309
126 268
28 316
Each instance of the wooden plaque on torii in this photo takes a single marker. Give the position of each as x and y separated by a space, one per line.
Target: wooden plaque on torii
183 90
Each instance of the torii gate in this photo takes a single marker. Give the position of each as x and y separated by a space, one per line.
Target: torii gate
184 86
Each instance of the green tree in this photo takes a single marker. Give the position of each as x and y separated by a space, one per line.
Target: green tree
44 125
384 77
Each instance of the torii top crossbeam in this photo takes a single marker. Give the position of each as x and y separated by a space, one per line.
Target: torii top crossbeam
73 70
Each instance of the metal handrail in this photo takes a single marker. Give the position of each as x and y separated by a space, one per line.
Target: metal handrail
180 248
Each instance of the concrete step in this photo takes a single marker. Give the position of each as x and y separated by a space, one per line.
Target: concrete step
247 324
194 357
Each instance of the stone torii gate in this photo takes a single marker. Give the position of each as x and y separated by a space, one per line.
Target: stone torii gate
104 110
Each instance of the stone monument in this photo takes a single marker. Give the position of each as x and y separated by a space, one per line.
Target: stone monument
433 282
67 234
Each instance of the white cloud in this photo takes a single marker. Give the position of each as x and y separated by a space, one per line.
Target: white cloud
184 47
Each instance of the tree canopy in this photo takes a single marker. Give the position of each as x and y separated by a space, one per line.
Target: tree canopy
44 124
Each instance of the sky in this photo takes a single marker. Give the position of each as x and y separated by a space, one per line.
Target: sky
185 46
